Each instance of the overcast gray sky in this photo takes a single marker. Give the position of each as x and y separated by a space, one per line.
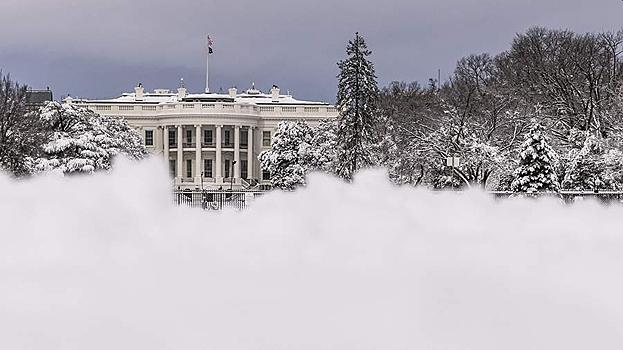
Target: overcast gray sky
100 48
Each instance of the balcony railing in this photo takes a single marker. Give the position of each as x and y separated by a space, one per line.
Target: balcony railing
209 108
208 144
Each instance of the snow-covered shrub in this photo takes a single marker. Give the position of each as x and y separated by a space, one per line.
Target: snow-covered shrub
585 168
297 148
83 141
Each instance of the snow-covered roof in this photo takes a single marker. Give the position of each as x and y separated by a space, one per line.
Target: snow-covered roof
251 96
147 98
268 99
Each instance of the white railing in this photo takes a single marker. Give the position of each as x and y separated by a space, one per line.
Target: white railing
198 108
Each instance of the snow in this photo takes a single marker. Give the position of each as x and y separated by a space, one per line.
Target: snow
83 141
297 148
105 262
161 98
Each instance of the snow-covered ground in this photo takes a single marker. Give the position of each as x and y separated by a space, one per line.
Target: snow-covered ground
105 262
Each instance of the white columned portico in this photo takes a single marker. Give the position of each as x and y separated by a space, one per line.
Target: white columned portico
250 153
165 142
180 154
237 154
219 150
198 164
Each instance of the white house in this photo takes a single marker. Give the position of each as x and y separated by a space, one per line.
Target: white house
210 140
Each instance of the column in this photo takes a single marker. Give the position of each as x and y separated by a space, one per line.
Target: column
250 153
218 166
237 154
198 165
165 142
179 173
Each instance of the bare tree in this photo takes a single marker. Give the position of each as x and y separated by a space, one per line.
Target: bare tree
21 131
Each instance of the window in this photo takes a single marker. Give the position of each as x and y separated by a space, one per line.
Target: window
207 168
207 137
189 136
244 141
265 174
172 137
172 167
149 137
244 173
266 138
189 168
227 167
227 137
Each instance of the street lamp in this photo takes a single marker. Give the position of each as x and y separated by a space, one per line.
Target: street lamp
231 176
454 162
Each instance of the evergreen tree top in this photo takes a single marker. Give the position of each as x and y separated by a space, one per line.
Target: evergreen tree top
357 46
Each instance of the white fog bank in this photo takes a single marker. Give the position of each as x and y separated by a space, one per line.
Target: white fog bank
106 262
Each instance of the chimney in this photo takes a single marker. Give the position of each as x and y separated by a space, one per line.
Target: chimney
138 92
233 92
274 91
181 91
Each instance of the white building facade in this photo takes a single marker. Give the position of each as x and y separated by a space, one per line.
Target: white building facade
210 140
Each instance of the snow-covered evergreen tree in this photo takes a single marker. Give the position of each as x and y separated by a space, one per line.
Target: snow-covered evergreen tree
283 160
297 148
357 98
537 162
320 153
83 141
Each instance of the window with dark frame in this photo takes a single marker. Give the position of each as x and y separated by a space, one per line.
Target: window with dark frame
172 137
227 137
189 168
227 167
207 137
266 138
189 136
207 168
244 141
244 172
149 137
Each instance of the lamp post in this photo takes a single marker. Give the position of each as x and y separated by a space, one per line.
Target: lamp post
453 161
231 176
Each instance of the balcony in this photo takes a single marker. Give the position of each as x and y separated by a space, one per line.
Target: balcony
209 144
173 145
194 108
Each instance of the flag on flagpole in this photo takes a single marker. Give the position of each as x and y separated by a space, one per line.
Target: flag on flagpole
210 42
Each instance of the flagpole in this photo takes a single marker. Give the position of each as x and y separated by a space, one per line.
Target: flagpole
208 65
